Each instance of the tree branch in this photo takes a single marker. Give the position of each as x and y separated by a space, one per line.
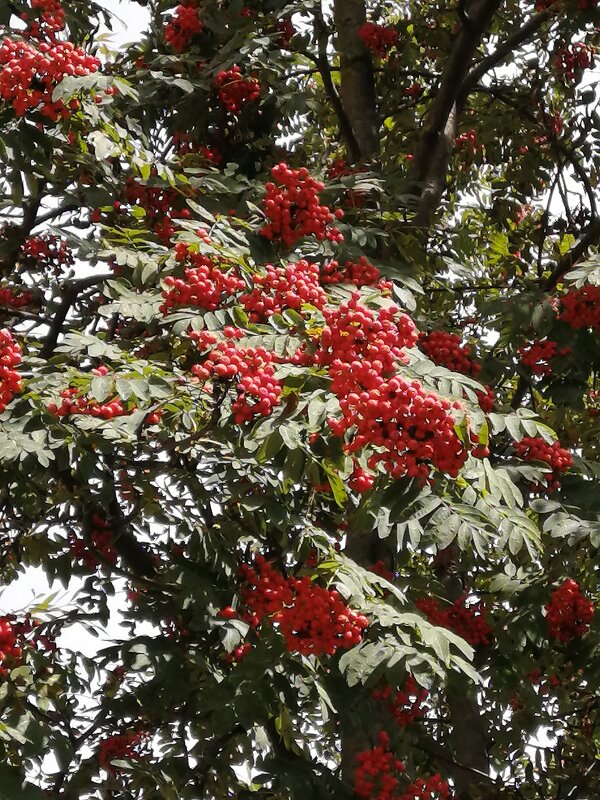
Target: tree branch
503 50
430 161
322 62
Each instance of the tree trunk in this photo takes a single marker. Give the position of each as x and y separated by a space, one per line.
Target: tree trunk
357 88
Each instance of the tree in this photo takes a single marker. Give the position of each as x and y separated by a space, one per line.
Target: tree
300 336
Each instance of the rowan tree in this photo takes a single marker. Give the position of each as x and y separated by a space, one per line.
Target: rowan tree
300 335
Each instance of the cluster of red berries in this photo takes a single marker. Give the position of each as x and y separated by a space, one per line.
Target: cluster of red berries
184 145
339 168
159 203
10 357
466 142
379 39
537 355
546 683
294 210
29 74
581 308
45 252
573 59
285 31
409 427
534 448
235 91
205 283
467 621
11 298
120 746
51 19
447 350
281 287
313 620
183 26
376 777
486 399
569 612
100 544
406 704
10 648
360 273
252 367
73 403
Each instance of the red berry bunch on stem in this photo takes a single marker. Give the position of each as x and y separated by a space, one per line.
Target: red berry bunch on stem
10 357
376 772
360 273
45 252
448 350
235 91
572 59
534 448
183 26
29 74
74 403
537 354
206 282
100 544
283 287
294 210
253 368
467 621
51 19
14 298
313 620
120 746
406 704
569 612
581 308
379 39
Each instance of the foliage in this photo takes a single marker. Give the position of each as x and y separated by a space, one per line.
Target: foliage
298 358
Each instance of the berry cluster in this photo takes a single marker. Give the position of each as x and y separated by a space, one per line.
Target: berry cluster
100 544
292 205
45 252
360 273
466 142
573 59
183 26
29 74
313 620
280 287
10 357
253 368
467 621
285 31
379 39
447 350
205 283
236 91
569 613
376 770
73 403
406 704
51 19
581 308
410 428
120 746
11 298
534 448
159 203
537 355
10 648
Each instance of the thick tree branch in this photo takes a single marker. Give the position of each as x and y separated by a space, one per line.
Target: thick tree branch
322 62
589 237
504 50
434 146
357 88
